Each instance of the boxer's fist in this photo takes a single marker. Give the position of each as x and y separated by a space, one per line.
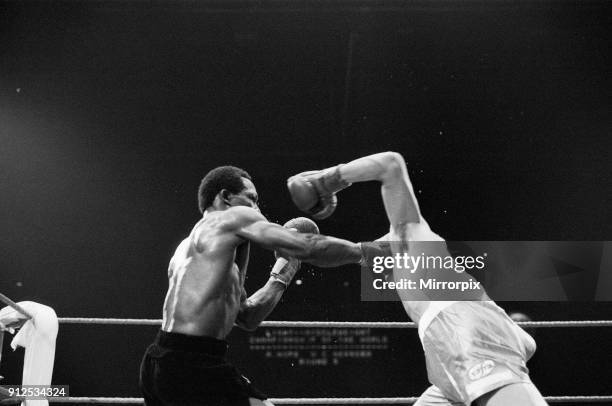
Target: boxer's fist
285 269
302 225
314 192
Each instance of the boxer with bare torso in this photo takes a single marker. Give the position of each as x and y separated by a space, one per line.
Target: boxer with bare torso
186 364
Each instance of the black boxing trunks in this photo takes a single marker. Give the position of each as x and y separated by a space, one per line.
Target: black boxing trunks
179 369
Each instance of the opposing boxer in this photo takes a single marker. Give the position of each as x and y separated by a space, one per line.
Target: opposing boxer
474 352
186 364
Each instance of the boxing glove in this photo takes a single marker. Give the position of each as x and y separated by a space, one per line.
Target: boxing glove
301 225
314 192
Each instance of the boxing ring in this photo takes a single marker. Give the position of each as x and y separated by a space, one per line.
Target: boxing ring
307 324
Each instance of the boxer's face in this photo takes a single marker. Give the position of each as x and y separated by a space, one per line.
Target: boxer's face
247 197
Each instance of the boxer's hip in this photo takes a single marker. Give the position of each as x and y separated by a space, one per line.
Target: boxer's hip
182 369
472 348
209 347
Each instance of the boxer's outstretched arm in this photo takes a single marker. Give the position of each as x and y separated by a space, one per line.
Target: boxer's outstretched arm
255 308
315 249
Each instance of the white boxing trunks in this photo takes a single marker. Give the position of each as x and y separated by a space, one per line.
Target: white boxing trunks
472 348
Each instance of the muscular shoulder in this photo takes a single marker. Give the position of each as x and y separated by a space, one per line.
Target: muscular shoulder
223 227
241 216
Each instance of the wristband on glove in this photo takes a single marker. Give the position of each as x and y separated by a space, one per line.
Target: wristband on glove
275 278
327 183
332 181
284 270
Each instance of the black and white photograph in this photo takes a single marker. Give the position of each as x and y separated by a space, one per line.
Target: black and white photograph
306 202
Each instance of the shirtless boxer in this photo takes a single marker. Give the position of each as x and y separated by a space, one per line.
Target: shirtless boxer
186 364
474 352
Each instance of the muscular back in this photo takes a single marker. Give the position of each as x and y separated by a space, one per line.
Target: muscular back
206 279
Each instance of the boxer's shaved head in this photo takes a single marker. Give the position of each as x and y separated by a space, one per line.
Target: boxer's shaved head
222 177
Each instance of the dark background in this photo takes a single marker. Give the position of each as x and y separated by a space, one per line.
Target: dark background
111 112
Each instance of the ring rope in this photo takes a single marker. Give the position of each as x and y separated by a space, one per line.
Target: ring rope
331 324
321 324
15 306
307 401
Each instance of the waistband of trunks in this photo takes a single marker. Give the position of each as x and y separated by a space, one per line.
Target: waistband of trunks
430 314
436 307
200 344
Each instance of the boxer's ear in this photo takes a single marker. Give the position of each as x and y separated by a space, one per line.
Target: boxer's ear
225 196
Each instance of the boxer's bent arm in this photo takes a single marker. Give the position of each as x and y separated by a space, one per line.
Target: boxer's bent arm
260 304
398 196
